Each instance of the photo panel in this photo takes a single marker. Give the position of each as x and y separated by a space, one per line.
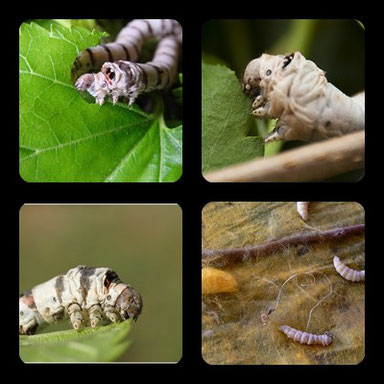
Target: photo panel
100 100
283 283
283 100
100 283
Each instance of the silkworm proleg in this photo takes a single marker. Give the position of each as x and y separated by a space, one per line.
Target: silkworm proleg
306 338
83 294
346 272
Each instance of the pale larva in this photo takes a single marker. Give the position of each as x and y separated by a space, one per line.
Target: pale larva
294 90
83 294
302 209
348 273
128 43
305 337
119 78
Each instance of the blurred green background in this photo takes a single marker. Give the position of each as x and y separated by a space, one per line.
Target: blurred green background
335 45
142 243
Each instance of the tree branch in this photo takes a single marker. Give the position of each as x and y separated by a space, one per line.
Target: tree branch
312 162
229 256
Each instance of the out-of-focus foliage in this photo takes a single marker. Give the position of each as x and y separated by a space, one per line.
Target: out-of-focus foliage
236 329
142 243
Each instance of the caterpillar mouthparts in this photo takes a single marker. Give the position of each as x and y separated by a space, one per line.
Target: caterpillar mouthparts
295 91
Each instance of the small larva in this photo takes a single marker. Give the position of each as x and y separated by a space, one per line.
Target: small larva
294 90
302 209
305 337
125 78
83 294
348 273
217 281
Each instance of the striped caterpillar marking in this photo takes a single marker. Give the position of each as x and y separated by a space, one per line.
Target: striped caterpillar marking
297 92
302 209
83 294
119 78
348 273
306 338
128 43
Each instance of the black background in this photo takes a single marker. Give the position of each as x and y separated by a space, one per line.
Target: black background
191 192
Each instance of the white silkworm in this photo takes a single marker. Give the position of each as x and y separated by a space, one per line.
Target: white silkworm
294 90
82 294
348 273
302 209
125 78
306 338
128 43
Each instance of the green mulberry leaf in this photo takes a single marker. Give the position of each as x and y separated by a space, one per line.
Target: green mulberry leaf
107 343
63 138
226 120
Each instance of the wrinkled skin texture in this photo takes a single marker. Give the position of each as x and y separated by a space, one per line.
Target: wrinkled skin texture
84 295
294 90
113 80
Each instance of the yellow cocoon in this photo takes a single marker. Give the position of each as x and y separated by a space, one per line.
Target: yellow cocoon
217 281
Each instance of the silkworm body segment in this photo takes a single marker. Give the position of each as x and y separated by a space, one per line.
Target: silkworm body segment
120 76
294 90
346 272
302 209
128 43
83 294
305 337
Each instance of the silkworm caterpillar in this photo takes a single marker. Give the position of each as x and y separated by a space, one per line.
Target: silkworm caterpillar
302 209
120 76
83 294
294 90
217 281
306 338
348 273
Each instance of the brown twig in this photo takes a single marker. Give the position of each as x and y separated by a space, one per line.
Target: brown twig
229 256
311 162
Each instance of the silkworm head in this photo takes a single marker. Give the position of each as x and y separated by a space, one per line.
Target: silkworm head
84 82
118 79
251 78
99 88
129 304
329 338
259 73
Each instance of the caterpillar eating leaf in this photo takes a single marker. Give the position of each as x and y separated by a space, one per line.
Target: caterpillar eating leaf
294 90
305 337
120 75
84 294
